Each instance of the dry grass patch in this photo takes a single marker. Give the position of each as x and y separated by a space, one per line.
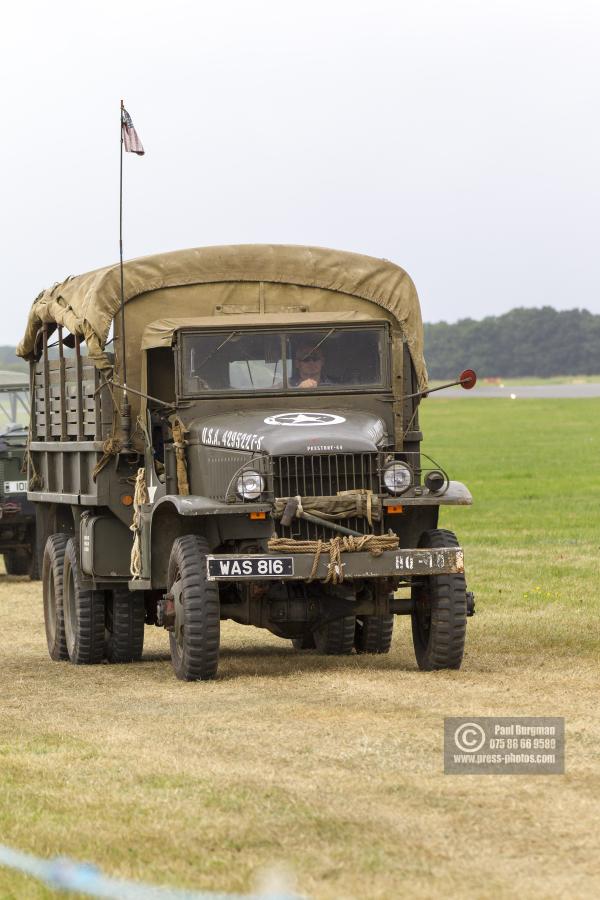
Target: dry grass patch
330 767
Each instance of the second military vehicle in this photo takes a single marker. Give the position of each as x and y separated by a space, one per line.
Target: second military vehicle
17 513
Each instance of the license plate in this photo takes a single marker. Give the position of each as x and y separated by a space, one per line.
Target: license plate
250 567
15 487
423 562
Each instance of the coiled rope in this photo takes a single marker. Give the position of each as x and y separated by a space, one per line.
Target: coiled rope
376 544
179 442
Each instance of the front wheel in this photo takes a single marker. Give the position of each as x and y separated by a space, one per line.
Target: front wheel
196 636
439 618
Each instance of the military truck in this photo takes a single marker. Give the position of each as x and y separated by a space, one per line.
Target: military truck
17 514
245 446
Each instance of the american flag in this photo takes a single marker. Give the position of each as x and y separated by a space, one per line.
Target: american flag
131 140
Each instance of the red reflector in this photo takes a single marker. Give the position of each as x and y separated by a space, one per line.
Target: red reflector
468 379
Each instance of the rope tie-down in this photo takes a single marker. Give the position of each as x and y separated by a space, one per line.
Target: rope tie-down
376 544
111 447
140 498
179 443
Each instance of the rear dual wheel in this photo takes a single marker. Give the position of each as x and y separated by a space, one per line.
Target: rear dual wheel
52 591
83 612
368 634
336 638
374 634
82 624
125 617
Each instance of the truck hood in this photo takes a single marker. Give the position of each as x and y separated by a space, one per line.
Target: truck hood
283 432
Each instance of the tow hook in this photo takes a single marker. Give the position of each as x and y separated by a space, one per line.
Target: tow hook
470 603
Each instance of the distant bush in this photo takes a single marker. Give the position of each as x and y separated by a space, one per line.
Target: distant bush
8 360
540 342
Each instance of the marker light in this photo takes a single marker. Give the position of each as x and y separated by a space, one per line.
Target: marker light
467 379
435 480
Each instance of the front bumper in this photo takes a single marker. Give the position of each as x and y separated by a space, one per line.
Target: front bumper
399 564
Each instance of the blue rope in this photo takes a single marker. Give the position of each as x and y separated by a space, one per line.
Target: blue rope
67 875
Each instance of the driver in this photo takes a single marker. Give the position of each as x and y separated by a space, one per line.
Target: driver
309 363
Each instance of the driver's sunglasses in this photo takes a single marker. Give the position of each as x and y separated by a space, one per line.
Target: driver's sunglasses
314 357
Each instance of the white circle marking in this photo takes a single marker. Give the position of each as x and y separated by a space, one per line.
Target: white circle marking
304 419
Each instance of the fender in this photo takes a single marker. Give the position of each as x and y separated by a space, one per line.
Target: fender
454 494
205 506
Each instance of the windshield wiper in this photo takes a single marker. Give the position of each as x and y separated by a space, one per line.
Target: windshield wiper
316 347
214 352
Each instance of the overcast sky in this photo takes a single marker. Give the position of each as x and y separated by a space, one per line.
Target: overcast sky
458 139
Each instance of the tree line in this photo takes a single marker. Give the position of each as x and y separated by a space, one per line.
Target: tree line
542 342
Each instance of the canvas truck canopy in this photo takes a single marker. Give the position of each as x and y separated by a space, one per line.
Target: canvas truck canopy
250 279
161 333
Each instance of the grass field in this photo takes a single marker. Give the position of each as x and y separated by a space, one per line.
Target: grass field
330 769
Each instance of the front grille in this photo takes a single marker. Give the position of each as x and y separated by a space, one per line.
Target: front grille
324 476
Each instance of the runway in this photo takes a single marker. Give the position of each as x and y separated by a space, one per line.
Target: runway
524 392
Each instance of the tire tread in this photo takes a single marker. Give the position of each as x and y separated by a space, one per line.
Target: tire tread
374 634
53 568
336 638
125 642
88 648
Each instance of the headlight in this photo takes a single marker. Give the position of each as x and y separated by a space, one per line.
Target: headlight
250 485
397 477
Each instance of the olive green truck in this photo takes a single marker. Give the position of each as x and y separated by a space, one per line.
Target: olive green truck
17 514
239 439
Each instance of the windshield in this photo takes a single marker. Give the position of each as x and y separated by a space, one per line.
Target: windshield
335 358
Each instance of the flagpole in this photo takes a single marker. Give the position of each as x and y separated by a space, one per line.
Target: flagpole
125 409
124 363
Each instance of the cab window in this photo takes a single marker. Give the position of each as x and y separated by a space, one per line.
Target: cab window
326 359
